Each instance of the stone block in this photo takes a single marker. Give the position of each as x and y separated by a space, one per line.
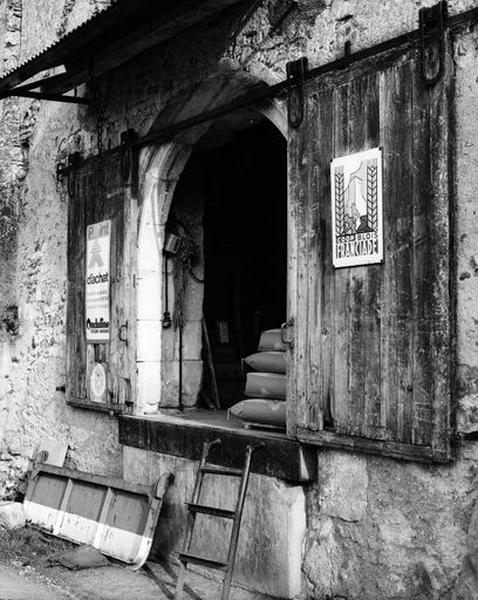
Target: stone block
394 529
56 451
149 295
272 530
195 296
343 482
192 342
148 336
148 386
150 211
12 515
150 255
467 414
191 385
169 342
467 585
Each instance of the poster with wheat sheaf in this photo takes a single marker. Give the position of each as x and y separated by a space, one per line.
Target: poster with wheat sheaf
357 230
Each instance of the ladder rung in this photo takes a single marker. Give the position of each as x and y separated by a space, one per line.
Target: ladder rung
217 470
211 510
186 557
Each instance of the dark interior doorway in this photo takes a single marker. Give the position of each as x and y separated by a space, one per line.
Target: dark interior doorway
239 171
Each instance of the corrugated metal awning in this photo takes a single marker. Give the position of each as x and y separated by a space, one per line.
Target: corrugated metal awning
123 30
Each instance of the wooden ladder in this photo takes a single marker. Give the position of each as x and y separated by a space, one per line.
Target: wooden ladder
194 507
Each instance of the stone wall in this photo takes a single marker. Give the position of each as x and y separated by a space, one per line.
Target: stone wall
33 263
13 463
11 160
381 528
376 528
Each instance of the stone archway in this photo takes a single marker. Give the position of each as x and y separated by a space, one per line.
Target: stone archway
160 170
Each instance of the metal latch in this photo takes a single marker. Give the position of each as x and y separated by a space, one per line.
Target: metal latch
287 333
432 42
295 84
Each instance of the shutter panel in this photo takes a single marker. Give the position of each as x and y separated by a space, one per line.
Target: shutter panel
100 195
373 344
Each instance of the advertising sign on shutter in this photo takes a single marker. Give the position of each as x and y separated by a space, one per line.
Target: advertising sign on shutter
357 232
97 318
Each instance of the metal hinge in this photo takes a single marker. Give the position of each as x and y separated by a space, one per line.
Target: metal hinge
123 333
432 42
295 84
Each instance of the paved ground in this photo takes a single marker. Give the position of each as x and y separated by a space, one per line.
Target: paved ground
116 582
24 584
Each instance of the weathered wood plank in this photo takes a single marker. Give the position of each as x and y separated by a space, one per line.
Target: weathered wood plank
323 341
298 369
313 278
372 279
402 251
341 282
76 347
389 298
358 277
442 258
320 114
76 475
128 363
422 365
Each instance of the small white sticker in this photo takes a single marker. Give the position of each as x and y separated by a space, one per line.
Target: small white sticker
97 382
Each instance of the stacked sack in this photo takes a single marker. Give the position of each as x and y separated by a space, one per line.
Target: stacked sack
265 384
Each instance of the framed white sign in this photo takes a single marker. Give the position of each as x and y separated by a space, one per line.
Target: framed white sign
357 209
97 297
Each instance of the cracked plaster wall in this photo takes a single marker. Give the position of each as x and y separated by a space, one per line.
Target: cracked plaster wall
377 528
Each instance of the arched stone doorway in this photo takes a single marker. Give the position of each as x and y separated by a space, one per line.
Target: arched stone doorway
159 359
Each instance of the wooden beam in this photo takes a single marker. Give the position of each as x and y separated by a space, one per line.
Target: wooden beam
330 439
281 457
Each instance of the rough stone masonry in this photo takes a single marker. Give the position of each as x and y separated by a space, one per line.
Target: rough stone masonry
376 528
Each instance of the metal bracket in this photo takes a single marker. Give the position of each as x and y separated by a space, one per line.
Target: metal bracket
24 93
295 84
127 140
73 161
432 42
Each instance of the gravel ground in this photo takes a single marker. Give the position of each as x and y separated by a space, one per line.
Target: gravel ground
26 574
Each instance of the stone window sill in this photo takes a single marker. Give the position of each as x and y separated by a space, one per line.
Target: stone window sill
184 435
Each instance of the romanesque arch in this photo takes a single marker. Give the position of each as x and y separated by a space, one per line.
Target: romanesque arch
160 169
